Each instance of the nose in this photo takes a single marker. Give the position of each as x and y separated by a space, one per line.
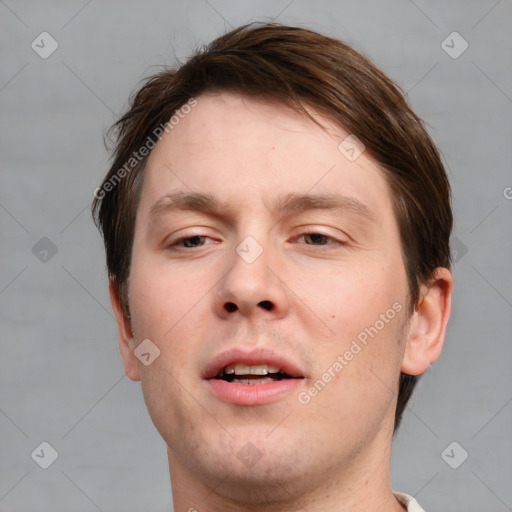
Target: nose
251 288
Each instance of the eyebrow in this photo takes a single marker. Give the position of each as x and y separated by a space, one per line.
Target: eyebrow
285 205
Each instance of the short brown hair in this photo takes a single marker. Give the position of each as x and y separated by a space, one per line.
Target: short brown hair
297 67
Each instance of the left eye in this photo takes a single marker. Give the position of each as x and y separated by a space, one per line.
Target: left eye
191 241
316 239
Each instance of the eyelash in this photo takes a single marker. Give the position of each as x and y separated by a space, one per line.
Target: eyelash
184 239
176 245
311 233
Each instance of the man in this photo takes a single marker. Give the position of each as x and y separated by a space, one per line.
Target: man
277 224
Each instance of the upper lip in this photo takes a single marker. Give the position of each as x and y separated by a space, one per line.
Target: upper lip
251 357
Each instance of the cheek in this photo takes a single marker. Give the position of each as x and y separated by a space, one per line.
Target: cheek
161 300
361 368
166 309
157 315
350 298
365 310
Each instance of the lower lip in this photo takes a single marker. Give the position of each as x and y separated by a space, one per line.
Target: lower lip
253 394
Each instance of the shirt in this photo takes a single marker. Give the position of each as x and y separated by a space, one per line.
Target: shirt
409 502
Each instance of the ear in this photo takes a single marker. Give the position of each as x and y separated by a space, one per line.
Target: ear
124 330
428 323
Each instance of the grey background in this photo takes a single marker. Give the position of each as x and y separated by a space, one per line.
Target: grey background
61 378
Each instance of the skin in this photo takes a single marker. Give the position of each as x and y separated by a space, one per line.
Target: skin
333 453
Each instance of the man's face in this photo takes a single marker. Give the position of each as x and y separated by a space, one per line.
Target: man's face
270 276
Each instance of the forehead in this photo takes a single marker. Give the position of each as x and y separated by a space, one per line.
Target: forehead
243 148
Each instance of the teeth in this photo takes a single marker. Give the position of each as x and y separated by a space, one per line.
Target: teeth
255 369
248 381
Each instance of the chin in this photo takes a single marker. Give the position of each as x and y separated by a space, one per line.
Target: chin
250 476
264 483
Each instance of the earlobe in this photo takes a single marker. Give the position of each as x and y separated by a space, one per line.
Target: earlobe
125 335
427 328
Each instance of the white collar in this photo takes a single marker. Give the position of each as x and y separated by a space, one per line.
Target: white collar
411 504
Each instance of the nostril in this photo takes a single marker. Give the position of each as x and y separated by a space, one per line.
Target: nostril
266 304
230 307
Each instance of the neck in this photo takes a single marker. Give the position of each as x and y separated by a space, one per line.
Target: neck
361 486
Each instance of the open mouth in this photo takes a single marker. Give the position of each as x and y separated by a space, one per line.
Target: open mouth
251 374
252 378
